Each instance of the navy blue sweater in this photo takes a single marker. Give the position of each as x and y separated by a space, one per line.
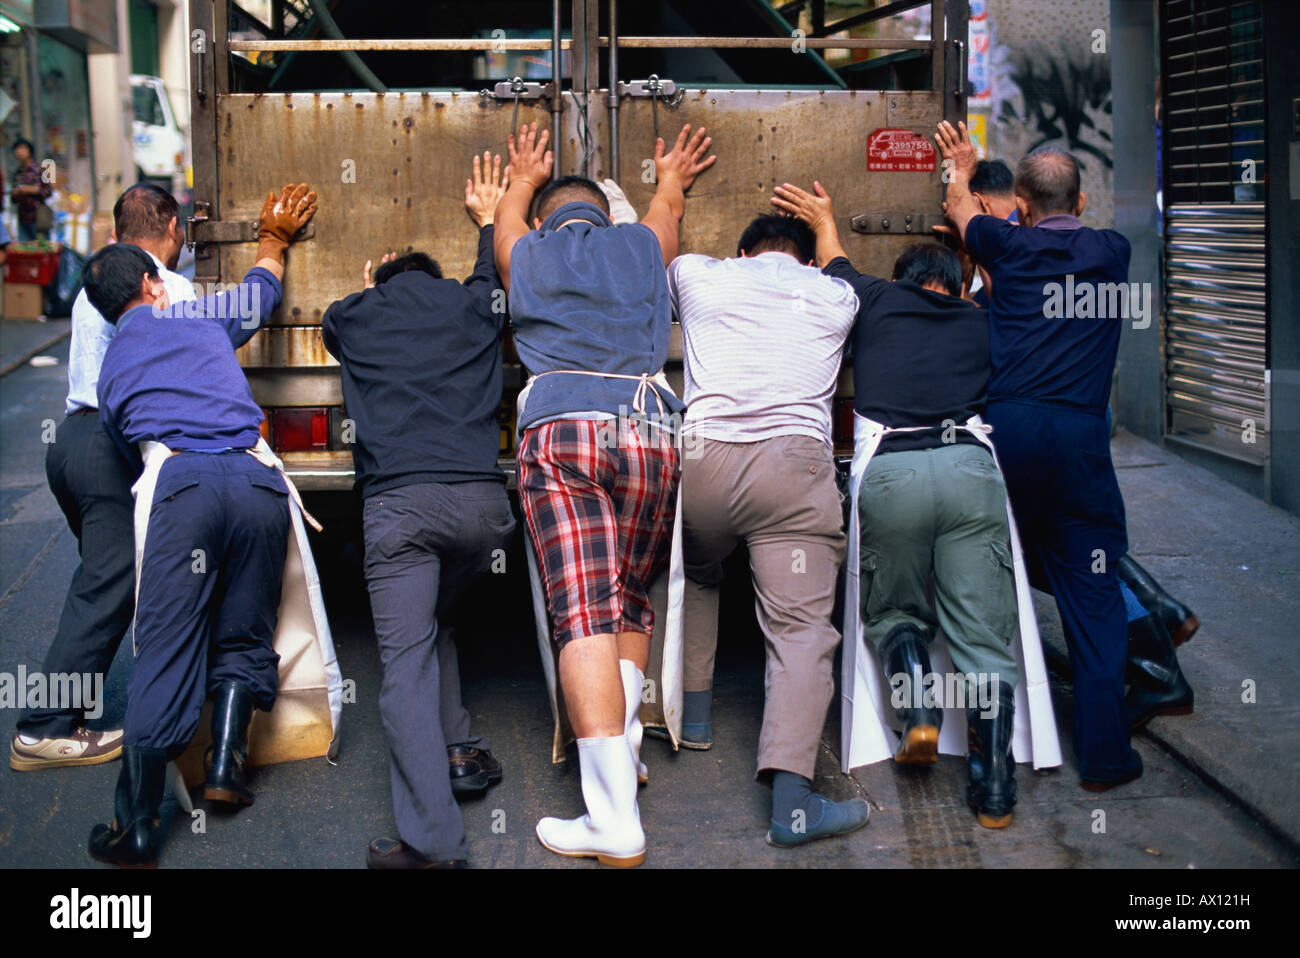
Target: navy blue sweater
591 296
171 376
422 377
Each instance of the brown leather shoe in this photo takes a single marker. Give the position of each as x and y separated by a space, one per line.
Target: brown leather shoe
82 747
390 853
473 770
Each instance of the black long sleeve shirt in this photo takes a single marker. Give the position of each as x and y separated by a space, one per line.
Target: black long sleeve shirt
421 367
920 358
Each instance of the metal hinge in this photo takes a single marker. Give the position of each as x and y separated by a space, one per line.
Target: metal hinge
201 228
917 223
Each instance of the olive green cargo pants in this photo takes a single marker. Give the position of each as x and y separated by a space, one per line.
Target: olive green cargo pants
940 512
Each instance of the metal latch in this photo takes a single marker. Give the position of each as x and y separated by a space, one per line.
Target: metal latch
917 223
654 86
656 89
518 89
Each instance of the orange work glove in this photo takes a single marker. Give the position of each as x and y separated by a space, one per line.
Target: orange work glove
282 217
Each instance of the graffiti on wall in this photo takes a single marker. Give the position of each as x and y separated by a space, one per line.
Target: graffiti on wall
1063 98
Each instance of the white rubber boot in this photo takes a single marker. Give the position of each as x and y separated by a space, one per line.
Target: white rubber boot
611 830
633 679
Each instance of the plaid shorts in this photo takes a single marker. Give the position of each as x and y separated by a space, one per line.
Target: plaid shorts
599 508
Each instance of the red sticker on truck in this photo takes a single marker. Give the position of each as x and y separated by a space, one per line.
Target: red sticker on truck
900 150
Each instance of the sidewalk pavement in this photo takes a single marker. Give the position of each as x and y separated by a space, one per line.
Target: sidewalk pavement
1236 562
21 339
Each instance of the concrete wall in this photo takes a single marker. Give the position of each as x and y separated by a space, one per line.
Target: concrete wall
1049 86
110 117
1282 76
1139 394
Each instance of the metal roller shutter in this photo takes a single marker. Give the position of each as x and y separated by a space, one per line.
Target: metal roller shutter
1216 320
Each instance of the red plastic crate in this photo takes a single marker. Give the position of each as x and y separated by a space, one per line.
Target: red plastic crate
38 268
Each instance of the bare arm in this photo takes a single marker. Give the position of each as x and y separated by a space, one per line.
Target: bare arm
675 171
955 146
530 169
815 210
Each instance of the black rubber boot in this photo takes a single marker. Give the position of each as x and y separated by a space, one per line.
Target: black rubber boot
1179 620
1157 685
232 710
907 664
134 839
992 788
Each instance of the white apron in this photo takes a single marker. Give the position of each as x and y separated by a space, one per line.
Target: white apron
869 725
667 594
305 720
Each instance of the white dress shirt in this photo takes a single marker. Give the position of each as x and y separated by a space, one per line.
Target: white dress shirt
91 334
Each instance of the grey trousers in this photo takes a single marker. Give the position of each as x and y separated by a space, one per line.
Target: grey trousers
940 512
424 543
779 497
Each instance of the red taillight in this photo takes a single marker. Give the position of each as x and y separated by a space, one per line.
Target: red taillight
300 430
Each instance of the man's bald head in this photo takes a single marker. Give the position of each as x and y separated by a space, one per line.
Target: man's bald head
1047 180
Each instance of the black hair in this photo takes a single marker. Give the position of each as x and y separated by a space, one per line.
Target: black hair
925 263
779 233
1048 181
411 262
23 141
143 212
992 177
112 278
569 189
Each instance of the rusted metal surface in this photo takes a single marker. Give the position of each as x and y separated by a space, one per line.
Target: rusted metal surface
389 169
767 137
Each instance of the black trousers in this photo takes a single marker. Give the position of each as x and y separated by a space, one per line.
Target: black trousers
91 480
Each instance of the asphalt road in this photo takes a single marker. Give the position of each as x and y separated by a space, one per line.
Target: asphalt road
701 809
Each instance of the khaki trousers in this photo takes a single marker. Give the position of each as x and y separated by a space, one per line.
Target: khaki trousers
779 497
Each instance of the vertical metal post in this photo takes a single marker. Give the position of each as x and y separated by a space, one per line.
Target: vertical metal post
938 34
204 15
957 39
557 94
583 57
613 89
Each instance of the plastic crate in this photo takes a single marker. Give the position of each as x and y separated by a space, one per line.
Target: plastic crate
39 268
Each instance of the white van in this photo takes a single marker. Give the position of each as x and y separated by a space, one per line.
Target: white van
159 145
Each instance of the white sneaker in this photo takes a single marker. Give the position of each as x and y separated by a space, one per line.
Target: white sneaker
633 679
611 830
82 747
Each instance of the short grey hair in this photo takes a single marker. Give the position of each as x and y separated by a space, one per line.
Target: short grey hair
1048 181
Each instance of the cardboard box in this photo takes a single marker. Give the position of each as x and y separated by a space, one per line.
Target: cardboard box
24 301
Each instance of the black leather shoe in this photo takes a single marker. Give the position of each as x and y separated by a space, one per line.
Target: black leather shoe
1157 685
232 710
473 770
907 664
389 853
1133 772
992 788
133 840
1179 620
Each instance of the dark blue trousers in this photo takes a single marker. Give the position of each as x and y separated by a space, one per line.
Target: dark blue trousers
209 593
1070 515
